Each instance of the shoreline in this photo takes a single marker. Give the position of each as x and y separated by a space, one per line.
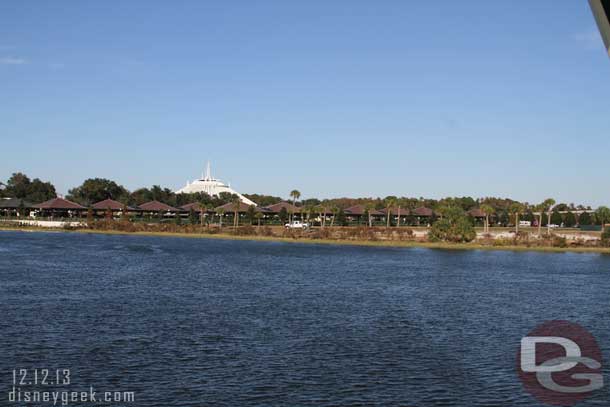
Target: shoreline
337 242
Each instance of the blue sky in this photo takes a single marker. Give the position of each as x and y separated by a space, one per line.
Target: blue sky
341 98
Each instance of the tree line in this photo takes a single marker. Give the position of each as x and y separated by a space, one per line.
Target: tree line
501 211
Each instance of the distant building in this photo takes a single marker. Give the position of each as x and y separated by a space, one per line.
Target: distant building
211 186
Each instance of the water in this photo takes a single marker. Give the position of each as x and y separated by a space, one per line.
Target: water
197 322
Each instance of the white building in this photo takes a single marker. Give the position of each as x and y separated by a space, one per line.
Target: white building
211 186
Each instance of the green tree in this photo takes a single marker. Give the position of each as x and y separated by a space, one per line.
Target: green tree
89 217
454 226
602 214
192 216
390 204
488 210
220 212
284 216
341 218
585 219
556 218
20 186
258 216
541 209
95 190
251 213
236 207
369 207
570 219
294 194
516 209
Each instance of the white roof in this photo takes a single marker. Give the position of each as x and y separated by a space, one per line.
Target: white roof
211 186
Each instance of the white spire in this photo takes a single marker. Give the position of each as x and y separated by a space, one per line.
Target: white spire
208 172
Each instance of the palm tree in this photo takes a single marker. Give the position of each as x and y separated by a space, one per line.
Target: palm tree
548 204
369 207
202 212
236 207
398 216
308 210
335 211
258 216
220 212
390 203
488 210
541 209
516 208
294 194
603 215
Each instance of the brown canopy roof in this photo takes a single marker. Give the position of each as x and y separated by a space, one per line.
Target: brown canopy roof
229 207
276 208
394 211
108 204
423 211
14 203
359 210
157 206
196 206
59 203
477 213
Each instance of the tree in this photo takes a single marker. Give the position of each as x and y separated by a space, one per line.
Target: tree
258 216
283 215
548 205
310 210
178 218
543 208
335 211
95 190
251 213
602 214
125 214
20 186
89 217
516 209
398 216
294 194
220 212
202 211
570 220
556 218
488 210
369 207
454 226
585 219
390 203
236 207
341 218
192 216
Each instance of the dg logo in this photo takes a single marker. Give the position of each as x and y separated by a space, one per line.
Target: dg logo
560 363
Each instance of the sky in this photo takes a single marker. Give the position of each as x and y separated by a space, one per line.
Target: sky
333 98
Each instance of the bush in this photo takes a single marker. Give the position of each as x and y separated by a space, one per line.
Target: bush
453 227
559 241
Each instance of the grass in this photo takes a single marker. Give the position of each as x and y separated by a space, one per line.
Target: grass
369 243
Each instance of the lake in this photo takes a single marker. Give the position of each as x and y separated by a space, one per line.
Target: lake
205 322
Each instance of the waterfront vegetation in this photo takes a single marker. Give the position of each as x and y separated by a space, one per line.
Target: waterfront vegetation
485 222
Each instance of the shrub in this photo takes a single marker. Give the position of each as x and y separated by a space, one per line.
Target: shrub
453 227
559 241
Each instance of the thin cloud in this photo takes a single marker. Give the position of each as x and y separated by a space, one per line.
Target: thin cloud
12 61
